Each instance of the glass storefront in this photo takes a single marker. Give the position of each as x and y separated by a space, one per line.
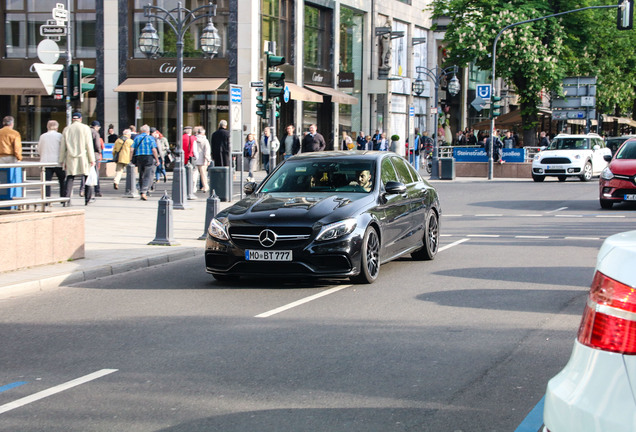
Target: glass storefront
351 36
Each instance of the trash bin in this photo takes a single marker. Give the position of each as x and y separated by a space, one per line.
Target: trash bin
447 168
11 175
221 181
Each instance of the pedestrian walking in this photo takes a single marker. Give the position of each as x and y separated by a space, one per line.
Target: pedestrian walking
77 155
203 159
122 148
250 150
269 146
361 141
291 142
313 141
347 142
10 142
145 150
163 148
49 146
97 146
221 145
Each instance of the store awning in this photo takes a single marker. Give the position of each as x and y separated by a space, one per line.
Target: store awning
22 86
137 85
507 120
300 93
336 95
619 120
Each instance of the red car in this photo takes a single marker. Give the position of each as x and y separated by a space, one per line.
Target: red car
617 182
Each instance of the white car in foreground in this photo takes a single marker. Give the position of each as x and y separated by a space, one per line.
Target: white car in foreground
596 391
579 156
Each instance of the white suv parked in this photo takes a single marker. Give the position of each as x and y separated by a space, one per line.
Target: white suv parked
571 156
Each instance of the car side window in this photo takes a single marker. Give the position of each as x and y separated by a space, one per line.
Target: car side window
387 171
402 169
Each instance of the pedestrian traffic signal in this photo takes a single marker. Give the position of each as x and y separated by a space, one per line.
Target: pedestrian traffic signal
625 17
72 81
274 78
85 76
495 106
261 107
276 103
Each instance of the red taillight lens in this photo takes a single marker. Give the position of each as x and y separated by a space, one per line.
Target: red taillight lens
609 320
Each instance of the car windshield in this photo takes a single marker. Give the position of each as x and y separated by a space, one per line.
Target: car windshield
312 175
569 144
628 151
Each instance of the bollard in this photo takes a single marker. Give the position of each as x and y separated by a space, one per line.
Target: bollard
163 236
131 189
190 182
211 209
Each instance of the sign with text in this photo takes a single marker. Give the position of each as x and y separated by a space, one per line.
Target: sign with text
478 154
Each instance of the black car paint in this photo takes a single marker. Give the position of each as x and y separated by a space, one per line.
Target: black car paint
399 218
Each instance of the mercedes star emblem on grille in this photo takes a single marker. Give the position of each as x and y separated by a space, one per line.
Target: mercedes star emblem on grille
267 238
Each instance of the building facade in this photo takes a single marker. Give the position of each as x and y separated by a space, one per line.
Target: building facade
349 66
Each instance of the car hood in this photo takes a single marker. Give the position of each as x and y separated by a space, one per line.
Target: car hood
623 166
563 153
289 208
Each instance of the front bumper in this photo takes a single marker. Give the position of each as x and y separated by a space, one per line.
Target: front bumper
558 170
616 189
339 258
592 393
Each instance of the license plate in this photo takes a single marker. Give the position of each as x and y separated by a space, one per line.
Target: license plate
630 197
555 167
266 255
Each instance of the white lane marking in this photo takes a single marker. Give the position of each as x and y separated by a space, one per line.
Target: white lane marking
566 216
531 237
559 209
53 390
484 235
582 238
610 216
301 301
448 246
330 291
488 215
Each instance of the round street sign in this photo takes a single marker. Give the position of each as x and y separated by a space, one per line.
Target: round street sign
286 94
48 51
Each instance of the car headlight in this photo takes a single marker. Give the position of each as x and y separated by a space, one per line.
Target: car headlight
577 156
537 157
607 174
217 230
336 230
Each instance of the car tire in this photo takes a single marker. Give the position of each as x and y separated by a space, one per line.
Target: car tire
370 261
431 239
606 204
538 178
587 172
562 178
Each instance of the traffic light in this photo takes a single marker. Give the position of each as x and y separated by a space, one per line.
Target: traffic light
58 90
276 104
261 107
495 106
85 75
274 79
625 16
72 81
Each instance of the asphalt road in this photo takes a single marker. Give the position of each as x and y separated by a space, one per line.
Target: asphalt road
466 342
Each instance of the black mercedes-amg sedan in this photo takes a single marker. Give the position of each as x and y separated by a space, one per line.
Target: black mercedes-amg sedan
330 215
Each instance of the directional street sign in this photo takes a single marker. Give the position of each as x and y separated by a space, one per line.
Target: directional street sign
484 91
256 84
52 30
479 103
49 74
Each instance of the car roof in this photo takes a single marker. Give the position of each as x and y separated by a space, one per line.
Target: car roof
340 154
590 135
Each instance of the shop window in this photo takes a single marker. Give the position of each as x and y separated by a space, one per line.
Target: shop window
276 25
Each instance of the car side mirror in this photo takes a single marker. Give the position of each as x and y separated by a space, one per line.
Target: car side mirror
608 158
596 147
395 188
249 188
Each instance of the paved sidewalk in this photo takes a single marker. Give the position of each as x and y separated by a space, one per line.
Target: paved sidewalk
118 231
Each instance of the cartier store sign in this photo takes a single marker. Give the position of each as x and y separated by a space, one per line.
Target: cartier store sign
318 77
165 67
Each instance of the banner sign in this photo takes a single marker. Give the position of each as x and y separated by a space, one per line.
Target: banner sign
478 154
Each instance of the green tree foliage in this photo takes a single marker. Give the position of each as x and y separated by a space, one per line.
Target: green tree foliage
538 55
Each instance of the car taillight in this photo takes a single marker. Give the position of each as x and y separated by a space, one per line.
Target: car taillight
609 320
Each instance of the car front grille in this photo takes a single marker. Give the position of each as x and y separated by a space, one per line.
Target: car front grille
555 160
620 193
288 237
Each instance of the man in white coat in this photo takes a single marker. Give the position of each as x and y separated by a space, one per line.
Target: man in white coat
77 154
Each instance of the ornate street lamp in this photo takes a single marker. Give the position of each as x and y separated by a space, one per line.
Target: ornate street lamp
418 86
436 75
179 20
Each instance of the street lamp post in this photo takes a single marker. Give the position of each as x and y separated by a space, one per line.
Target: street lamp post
436 74
179 20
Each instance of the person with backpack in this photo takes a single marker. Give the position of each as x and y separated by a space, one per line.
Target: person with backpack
249 156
